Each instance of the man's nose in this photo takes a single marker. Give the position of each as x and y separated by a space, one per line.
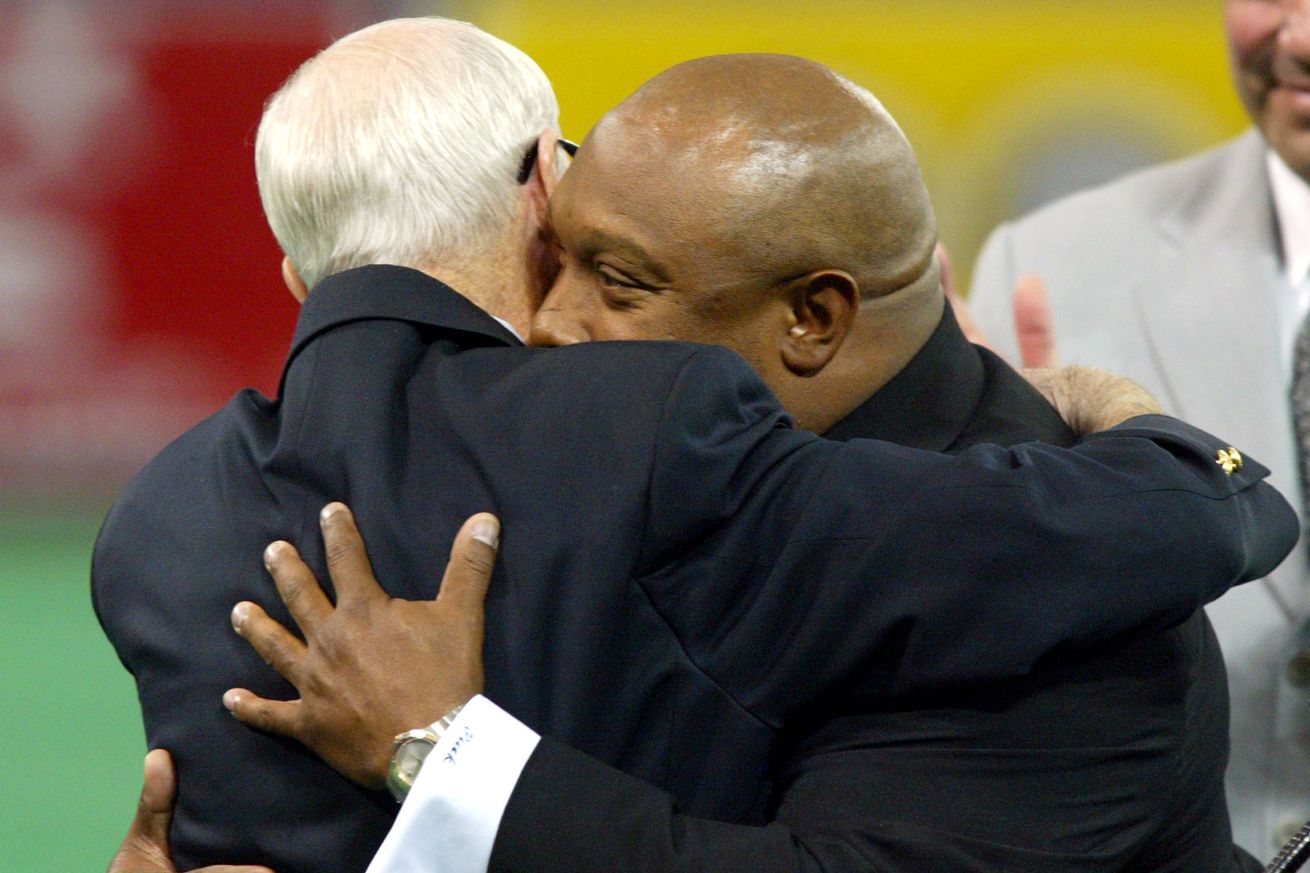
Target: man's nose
1294 34
552 327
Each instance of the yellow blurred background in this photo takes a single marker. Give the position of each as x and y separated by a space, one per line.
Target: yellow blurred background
1008 103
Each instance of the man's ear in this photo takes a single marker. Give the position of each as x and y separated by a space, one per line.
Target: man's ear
543 260
546 172
295 284
823 308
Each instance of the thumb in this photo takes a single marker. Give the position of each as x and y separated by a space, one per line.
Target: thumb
943 256
1033 325
155 810
146 845
145 848
472 558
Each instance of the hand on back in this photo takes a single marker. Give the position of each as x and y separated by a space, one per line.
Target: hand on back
1089 400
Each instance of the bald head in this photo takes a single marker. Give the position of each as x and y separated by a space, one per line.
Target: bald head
788 156
761 202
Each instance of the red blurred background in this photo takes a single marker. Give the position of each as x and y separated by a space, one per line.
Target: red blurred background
139 284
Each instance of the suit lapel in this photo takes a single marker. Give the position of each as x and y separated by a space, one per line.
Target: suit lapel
1203 281
1218 263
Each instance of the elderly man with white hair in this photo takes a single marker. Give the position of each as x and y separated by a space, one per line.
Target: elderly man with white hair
368 155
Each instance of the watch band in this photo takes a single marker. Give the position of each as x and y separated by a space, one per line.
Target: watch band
410 749
441 725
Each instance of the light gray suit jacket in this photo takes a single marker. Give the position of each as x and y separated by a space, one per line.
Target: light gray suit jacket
1169 276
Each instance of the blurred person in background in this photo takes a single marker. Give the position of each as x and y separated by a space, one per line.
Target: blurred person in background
831 291
1192 277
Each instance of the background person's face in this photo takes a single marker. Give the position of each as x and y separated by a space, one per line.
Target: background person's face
1269 45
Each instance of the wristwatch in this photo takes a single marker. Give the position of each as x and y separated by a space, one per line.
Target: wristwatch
411 749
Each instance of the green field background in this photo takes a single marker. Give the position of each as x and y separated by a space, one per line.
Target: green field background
69 726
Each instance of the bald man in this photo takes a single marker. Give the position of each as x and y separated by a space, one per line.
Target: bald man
766 204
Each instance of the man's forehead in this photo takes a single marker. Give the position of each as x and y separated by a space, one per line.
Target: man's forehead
635 183
597 215
604 180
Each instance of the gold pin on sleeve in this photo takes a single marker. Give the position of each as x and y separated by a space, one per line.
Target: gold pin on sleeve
1230 459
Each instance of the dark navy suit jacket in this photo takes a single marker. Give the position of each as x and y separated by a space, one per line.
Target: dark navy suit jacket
1109 761
682 574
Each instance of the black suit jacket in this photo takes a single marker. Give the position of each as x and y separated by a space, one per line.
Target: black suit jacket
654 488
1112 760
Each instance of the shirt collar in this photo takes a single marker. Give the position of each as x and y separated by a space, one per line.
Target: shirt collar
928 403
1292 205
383 291
509 327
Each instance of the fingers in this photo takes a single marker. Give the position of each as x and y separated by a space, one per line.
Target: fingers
275 716
155 809
1052 384
348 563
1091 400
274 643
1033 324
1041 377
145 847
948 270
472 558
297 586
160 784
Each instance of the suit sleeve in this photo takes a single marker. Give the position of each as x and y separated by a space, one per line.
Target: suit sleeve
570 813
792 567
991 294
494 797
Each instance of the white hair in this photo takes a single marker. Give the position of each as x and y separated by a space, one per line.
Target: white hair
399 144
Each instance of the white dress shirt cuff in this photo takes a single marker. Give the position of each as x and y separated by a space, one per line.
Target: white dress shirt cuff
448 822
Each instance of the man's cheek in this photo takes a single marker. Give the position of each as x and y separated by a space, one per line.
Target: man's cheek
1250 26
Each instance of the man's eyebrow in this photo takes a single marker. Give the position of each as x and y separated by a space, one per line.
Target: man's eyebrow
593 239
